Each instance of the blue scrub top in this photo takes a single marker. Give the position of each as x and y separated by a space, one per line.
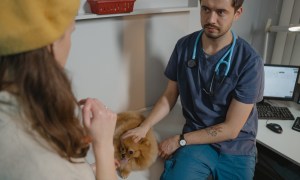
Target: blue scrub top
244 82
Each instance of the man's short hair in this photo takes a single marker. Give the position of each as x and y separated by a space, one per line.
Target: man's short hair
236 4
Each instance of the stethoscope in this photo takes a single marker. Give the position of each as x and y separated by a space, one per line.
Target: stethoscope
192 63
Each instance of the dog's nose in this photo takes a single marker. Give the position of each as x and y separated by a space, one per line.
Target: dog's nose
123 155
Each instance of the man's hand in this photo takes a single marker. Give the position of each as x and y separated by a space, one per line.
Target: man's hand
136 134
168 147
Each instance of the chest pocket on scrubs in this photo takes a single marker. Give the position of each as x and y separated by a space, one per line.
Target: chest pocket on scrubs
224 91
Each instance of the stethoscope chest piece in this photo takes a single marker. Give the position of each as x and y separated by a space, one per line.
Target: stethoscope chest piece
191 63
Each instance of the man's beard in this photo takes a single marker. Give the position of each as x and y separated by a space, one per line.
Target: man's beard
211 35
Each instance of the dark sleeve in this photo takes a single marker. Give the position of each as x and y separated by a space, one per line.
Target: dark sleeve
171 69
250 86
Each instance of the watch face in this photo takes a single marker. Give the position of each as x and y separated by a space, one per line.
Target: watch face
182 142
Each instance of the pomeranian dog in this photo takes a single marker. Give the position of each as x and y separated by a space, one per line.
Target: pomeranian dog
133 156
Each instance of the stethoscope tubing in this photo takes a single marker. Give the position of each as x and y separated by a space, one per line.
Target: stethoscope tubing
192 63
222 60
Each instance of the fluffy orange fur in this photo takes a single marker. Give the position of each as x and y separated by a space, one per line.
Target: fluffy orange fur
133 156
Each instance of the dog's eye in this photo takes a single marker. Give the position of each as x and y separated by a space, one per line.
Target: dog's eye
130 152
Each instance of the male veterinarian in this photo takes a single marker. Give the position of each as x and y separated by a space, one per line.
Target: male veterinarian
219 78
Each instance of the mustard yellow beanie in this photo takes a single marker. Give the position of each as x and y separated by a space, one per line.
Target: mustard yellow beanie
30 24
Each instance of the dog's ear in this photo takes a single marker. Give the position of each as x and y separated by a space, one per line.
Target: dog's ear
137 153
144 141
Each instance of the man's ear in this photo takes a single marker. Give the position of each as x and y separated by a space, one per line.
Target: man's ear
238 13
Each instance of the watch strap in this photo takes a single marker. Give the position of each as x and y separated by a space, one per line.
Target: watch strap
181 137
182 141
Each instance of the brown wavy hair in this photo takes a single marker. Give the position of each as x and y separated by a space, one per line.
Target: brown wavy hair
45 93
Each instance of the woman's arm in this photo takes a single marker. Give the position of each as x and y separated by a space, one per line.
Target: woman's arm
101 122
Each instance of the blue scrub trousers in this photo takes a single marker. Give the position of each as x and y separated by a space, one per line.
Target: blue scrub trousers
197 162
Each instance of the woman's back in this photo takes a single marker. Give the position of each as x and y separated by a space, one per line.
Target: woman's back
25 155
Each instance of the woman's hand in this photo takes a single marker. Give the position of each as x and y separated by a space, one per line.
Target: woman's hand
99 121
136 134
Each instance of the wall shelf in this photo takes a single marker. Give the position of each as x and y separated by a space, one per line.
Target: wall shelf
87 16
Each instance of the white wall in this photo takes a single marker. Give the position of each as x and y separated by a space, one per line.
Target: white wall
121 60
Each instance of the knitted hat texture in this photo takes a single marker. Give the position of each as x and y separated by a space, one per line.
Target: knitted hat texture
30 24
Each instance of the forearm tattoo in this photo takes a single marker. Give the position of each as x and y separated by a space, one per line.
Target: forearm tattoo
213 131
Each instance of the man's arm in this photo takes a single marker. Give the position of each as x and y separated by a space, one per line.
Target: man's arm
162 107
236 117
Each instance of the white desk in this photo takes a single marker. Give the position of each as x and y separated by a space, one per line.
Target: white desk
286 144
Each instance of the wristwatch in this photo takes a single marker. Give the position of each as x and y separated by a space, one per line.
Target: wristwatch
182 141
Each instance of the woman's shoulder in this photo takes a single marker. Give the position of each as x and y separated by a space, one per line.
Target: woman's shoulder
25 155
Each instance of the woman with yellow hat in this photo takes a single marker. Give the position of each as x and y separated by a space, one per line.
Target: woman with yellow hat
41 136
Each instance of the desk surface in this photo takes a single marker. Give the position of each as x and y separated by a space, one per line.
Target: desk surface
286 144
